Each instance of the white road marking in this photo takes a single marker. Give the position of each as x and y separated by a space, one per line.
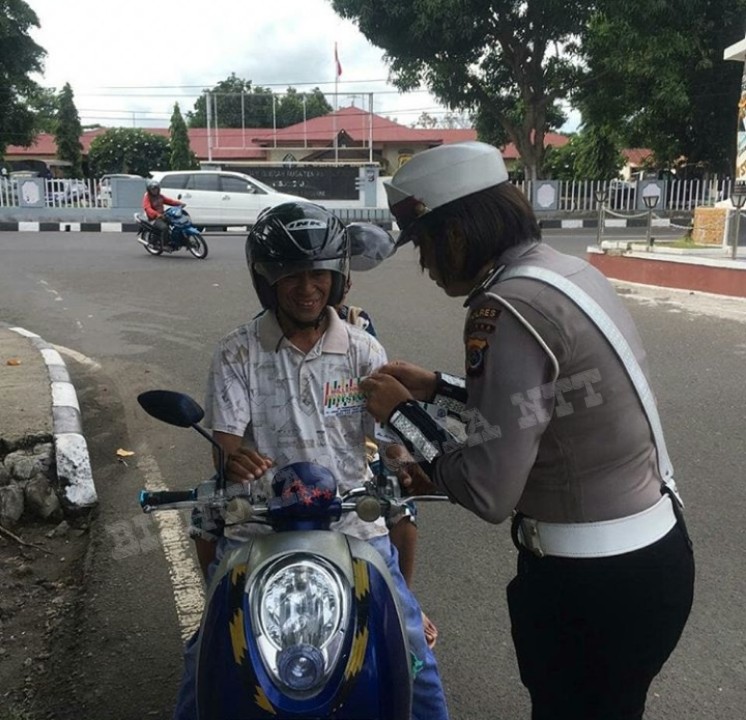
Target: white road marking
78 357
186 578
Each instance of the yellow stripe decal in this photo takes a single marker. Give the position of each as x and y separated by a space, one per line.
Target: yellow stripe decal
263 702
238 639
357 654
237 574
362 579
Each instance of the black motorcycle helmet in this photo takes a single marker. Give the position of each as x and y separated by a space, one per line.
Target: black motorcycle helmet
294 237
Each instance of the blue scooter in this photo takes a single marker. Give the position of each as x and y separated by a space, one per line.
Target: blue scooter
182 234
304 622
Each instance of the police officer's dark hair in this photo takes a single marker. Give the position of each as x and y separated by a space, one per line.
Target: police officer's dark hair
490 221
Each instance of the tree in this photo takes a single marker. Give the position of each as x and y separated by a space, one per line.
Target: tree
506 62
657 79
598 156
450 121
290 106
128 150
182 157
425 120
589 155
235 104
44 103
19 57
67 133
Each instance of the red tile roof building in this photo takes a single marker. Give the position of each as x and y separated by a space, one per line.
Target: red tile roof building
361 136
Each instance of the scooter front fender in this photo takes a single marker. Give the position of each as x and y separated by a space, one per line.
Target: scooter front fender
372 677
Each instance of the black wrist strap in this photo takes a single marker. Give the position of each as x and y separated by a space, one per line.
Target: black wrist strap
450 392
420 434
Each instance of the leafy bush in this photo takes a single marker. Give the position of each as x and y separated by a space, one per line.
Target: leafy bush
128 150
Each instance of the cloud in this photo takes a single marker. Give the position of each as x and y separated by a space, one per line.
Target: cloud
129 62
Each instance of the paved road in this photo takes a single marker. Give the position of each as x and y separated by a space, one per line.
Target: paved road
132 322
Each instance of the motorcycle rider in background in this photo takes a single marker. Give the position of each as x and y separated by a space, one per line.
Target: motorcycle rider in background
153 203
265 404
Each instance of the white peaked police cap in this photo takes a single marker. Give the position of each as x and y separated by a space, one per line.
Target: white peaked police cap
441 175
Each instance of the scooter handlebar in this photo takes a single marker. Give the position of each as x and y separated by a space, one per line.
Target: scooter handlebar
156 499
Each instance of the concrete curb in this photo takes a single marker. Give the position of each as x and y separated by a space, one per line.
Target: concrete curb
71 449
549 224
40 226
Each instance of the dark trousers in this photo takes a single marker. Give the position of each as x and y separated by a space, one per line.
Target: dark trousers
161 228
591 634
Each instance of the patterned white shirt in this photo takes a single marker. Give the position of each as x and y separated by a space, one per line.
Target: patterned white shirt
264 389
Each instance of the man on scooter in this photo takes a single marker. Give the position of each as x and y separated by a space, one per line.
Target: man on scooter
153 203
265 402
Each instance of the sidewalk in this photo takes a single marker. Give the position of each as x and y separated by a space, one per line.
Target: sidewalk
710 270
44 462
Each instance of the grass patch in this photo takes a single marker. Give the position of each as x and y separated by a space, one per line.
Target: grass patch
685 243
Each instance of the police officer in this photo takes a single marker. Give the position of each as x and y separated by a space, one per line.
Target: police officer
563 437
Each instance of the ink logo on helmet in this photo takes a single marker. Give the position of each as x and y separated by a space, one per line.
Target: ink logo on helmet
306 224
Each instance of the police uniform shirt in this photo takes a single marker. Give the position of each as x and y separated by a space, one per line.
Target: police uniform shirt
263 388
572 448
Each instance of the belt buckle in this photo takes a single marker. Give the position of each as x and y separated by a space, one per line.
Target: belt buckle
530 536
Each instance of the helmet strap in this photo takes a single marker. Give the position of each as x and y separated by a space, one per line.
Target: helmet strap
292 324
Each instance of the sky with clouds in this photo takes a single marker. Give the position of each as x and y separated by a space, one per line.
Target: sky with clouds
129 61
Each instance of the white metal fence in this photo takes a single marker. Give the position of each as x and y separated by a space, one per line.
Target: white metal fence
574 195
680 195
58 193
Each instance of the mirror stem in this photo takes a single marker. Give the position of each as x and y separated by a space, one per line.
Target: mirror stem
221 457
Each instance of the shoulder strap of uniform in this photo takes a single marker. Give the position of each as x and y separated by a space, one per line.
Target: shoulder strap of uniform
618 342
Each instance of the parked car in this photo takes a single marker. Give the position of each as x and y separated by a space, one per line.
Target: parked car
220 197
64 192
103 196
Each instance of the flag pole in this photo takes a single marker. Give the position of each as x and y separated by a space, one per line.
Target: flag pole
336 102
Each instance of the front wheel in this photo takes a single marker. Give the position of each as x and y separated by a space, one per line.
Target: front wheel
154 246
197 246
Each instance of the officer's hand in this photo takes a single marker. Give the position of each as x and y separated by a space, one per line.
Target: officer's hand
420 382
412 479
245 465
383 393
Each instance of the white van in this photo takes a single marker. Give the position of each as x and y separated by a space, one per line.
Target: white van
217 197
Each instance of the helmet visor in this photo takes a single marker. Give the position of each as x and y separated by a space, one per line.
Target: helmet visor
274 271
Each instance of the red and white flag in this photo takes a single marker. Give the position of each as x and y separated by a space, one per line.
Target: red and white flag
336 61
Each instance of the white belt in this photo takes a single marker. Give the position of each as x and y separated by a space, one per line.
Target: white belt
598 539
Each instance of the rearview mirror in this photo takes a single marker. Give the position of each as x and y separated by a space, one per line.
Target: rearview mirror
171 407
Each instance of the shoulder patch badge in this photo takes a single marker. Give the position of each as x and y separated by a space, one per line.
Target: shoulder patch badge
475 350
480 327
484 313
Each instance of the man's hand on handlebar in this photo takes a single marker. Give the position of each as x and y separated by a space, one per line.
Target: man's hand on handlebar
245 465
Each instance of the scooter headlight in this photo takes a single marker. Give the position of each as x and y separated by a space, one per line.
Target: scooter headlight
300 607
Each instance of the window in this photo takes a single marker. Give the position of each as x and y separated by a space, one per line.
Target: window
175 182
200 181
235 184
